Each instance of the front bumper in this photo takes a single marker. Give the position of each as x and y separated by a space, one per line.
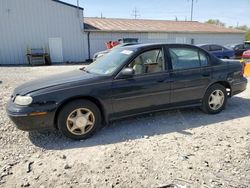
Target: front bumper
239 86
23 120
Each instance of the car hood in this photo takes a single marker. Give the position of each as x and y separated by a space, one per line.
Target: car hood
63 79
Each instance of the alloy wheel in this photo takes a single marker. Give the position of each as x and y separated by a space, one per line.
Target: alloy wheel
216 99
80 121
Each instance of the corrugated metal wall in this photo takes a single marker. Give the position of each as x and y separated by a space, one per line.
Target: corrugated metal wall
30 23
98 39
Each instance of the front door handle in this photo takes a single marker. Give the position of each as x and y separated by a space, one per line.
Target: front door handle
160 81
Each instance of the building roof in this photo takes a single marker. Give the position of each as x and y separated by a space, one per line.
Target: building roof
68 4
143 25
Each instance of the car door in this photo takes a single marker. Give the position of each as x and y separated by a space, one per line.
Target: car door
148 89
190 73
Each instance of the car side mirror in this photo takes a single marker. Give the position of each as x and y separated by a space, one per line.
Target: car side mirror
127 73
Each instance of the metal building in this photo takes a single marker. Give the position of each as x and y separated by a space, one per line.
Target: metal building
100 30
60 29
50 24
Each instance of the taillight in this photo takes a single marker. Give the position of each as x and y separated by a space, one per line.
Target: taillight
243 68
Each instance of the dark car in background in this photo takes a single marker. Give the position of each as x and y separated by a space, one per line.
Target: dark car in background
127 81
218 51
239 49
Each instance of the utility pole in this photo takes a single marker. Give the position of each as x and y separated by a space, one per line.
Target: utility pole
135 13
192 9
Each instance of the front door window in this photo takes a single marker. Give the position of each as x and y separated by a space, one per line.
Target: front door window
148 62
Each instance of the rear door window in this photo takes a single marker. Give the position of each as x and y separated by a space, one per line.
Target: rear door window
184 58
187 58
215 48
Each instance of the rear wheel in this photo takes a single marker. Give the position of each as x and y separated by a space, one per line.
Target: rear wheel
79 119
215 99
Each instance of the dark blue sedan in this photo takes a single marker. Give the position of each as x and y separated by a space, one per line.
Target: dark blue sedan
218 51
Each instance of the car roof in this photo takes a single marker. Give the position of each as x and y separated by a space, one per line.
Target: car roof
208 45
147 45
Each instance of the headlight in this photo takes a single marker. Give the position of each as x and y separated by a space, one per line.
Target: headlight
23 100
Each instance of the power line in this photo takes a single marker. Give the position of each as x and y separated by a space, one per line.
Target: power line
135 13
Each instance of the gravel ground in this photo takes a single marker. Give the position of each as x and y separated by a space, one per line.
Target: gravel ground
182 147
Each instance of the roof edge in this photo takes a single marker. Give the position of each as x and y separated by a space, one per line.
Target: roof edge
136 31
144 19
68 4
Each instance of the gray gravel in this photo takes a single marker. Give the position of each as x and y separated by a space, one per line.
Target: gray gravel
181 147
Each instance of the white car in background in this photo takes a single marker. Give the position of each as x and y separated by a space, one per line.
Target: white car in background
102 53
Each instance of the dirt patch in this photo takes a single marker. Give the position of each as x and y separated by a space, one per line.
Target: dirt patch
182 147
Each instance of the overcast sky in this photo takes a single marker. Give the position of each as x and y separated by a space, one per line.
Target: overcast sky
231 12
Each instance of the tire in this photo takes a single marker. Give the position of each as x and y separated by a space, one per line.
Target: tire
79 119
211 103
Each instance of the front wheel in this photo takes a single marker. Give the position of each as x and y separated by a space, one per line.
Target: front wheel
79 119
215 99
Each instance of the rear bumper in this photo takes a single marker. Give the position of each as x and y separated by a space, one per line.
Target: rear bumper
26 122
239 86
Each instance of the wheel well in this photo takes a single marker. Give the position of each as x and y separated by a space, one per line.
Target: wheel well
226 85
92 99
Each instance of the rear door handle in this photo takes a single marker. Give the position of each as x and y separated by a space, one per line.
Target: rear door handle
165 80
206 74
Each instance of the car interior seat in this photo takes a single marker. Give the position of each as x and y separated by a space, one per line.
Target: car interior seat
138 66
159 66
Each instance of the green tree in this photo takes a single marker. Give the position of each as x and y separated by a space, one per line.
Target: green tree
247 35
245 28
216 22
242 27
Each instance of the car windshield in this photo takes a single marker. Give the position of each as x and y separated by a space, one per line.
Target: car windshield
109 63
247 45
230 46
